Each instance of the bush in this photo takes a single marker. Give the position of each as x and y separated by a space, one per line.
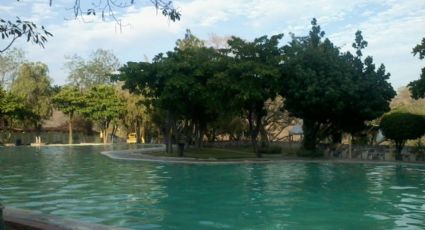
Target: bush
271 149
400 127
310 153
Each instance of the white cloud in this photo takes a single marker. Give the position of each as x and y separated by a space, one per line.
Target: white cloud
392 33
391 27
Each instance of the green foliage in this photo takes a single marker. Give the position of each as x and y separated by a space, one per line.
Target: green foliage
69 100
189 41
178 83
271 149
401 127
250 78
12 106
95 71
420 49
33 86
417 88
326 87
9 64
11 30
103 105
136 115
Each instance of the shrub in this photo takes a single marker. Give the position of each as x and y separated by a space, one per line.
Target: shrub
400 127
271 149
310 153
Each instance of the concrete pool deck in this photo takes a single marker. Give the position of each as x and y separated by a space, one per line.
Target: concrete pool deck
143 155
19 219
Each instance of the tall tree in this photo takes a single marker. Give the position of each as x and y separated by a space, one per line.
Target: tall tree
418 87
178 84
69 100
33 85
323 86
95 71
9 64
13 111
103 105
135 113
252 78
189 41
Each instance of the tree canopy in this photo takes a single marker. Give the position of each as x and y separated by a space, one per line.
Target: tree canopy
103 105
33 85
69 100
96 70
417 87
324 86
9 64
400 127
177 82
251 78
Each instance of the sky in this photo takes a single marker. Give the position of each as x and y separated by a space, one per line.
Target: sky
391 27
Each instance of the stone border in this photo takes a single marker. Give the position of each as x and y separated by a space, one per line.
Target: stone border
20 219
141 155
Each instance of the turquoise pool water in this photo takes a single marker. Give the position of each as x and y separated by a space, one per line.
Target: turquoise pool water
79 183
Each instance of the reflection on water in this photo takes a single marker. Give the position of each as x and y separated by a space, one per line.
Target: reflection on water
77 182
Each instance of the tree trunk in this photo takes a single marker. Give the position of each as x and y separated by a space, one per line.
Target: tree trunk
310 129
103 129
70 139
200 135
254 130
264 137
251 130
336 137
105 137
399 147
137 129
168 133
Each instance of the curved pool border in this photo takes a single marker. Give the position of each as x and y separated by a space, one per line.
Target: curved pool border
142 155
15 218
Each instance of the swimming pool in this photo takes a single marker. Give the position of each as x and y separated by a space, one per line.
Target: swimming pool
79 183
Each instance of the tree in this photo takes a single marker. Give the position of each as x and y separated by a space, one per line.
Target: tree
400 127
178 84
325 87
189 41
12 109
11 30
103 105
69 100
9 64
135 113
417 88
95 71
188 92
33 85
252 78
